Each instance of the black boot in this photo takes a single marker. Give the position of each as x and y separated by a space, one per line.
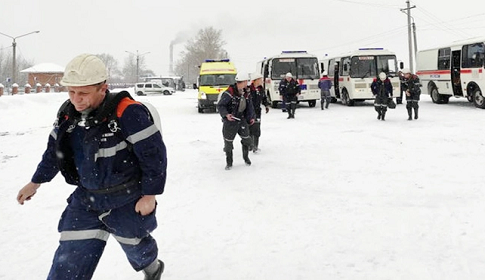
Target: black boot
379 113
246 155
321 103
255 144
383 115
410 114
415 113
229 160
158 274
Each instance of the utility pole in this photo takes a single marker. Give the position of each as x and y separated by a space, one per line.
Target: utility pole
407 11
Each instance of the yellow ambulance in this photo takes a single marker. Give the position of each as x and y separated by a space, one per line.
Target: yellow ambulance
215 76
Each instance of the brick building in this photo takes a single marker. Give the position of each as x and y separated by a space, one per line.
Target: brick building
44 73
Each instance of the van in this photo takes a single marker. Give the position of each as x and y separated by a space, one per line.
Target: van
152 88
215 76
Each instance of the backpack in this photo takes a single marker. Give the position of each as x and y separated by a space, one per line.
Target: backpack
108 111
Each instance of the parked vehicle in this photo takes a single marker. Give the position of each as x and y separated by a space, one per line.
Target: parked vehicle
215 76
152 88
303 67
456 70
353 73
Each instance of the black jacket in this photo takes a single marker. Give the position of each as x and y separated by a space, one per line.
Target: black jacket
289 89
257 98
240 106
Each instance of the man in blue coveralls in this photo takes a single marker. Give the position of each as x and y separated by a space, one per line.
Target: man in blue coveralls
108 146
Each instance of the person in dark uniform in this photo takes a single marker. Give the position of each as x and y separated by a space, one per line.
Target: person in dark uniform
412 88
289 92
258 98
325 84
237 114
108 147
382 90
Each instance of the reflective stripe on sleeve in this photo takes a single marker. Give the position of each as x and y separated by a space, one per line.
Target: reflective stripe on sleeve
127 241
110 152
84 235
144 134
54 134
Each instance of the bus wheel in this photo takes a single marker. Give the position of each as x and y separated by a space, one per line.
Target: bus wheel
469 98
345 98
274 104
438 98
478 98
312 103
200 110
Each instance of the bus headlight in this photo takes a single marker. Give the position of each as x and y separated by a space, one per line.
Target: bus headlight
202 95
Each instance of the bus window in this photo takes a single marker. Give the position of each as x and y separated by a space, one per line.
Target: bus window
387 64
281 66
307 68
363 67
473 55
444 58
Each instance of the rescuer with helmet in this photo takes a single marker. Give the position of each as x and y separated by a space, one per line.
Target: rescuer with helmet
237 114
108 146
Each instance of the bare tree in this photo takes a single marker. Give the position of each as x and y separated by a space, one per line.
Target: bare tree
112 65
132 67
207 44
6 57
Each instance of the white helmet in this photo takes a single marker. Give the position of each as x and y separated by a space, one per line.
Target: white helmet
289 75
240 77
324 73
84 70
256 76
406 71
382 76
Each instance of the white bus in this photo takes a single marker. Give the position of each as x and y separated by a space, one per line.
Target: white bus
303 67
352 74
454 70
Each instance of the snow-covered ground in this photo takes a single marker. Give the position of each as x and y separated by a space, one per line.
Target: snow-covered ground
334 194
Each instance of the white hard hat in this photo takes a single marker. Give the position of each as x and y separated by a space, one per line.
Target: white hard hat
84 70
288 75
382 76
255 76
324 73
242 77
406 71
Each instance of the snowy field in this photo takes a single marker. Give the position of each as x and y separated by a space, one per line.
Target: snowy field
334 194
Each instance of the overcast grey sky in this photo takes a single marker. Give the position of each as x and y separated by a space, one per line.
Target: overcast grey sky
252 29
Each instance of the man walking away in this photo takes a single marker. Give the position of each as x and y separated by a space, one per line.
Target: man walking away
325 84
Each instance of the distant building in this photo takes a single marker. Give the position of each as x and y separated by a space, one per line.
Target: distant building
44 73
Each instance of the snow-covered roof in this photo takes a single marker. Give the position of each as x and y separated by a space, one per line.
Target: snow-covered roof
44 68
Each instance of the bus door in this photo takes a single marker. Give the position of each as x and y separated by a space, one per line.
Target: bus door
336 77
455 72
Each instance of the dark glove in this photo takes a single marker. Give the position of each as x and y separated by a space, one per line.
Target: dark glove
267 109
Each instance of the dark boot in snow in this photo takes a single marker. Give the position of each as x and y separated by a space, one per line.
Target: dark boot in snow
415 113
158 274
410 114
255 144
228 160
383 115
246 155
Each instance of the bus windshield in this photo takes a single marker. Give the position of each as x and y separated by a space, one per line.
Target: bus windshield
371 66
217 80
301 68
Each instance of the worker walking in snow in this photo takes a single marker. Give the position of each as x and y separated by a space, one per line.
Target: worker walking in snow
237 114
108 146
258 98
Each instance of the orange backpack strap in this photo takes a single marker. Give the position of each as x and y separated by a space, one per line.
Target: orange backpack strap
124 103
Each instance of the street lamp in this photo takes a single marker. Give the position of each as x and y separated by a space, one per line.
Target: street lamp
14 46
137 63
